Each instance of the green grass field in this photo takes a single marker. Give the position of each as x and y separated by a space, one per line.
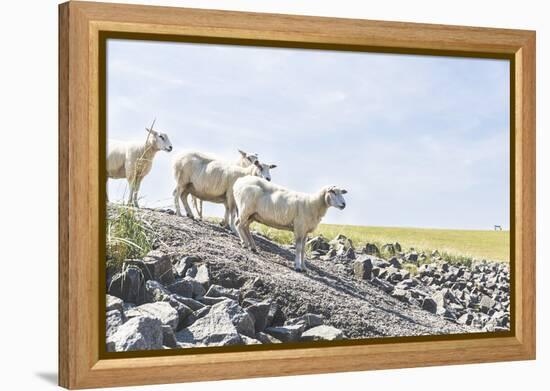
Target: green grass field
489 245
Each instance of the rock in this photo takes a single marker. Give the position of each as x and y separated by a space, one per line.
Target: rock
439 299
429 305
249 341
212 300
114 319
197 288
259 312
168 337
155 291
389 248
114 303
139 333
435 254
384 285
319 244
182 266
411 257
266 338
191 303
160 310
182 288
486 304
221 326
362 268
371 249
466 319
285 333
322 333
397 247
394 262
128 285
202 276
275 317
183 310
401 295
220 291
307 321
194 316
155 266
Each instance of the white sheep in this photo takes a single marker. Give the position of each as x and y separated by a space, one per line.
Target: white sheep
245 160
133 160
277 207
212 180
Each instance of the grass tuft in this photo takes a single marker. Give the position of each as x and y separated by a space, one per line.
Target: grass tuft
128 236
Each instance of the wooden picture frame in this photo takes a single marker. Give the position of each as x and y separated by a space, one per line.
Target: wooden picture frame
81 25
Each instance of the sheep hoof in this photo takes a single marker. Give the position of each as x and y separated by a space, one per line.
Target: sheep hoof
191 217
298 270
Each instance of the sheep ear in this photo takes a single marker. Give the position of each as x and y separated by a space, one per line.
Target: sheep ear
257 164
272 166
151 131
242 152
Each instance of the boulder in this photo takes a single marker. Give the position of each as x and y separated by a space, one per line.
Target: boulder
362 268
319 244
307 321
394 262
371 249
259 312
128 285
160 310
401 295
220 291
212 300
155 291
203 276
114 303
114 319
191 303
285 333
384 285
389 248
322 333
168 337
155 266
183 287
266 338
183 265
221 326
139 333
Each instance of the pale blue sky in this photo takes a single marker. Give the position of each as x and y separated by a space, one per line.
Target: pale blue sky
418 141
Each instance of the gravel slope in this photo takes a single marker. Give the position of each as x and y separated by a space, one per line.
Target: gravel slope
358 308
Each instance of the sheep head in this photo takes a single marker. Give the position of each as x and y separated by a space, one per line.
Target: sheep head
249 158
159 140
263 170
334 196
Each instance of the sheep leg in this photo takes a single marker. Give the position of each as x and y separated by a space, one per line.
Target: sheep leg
303 256
251 241
196 203
242 234
176 193
183 198
131 195
298 257
136 191
200 209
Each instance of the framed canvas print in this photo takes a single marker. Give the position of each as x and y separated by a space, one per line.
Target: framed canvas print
247 195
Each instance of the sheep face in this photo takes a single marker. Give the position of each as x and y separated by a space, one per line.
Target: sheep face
263 170
335 197
161 141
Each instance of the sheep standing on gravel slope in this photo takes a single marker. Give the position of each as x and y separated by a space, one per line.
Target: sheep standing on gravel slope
133 160
277 207
211 180
245 160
